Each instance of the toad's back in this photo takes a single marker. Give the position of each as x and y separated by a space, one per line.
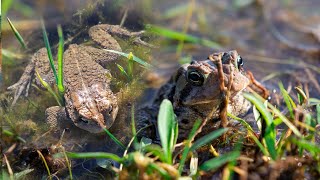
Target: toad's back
81 71
89 100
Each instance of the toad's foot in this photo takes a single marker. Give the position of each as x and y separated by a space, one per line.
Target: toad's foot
23 85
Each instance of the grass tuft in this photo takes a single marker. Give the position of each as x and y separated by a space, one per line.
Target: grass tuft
270 134
288 100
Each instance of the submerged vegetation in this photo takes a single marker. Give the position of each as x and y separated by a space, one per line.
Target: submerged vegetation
284 145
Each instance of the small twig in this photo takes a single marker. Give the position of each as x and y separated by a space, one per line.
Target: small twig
124 17
225 91
265 92
11 148
8 166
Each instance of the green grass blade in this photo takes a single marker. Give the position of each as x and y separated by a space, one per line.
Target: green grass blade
207 138
9 133
181 36
156 151
47 44
251 133
96 155
287 99
22 174
130 65
311 147
114 138
260 106
123 71
58 98
285 120
312 101
133 124
160 170
175 133
217 162
60 60
45 164
186 148
6 5
135 58
302 97
166 127
270 135
176 11
17 35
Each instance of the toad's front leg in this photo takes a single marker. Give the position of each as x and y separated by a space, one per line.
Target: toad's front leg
56 118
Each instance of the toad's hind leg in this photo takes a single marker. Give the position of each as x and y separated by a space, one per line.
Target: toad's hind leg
102 34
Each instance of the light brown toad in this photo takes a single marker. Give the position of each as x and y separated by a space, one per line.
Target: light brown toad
89 102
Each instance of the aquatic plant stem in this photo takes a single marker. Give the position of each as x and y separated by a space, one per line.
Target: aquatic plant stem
114 138
61 88
47 44
45 164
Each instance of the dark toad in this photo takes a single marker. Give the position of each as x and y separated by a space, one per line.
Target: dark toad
194 92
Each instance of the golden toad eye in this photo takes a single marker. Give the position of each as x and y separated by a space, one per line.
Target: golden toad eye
195 77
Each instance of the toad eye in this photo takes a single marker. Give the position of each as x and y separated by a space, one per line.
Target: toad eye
84 120
195 77
240 62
